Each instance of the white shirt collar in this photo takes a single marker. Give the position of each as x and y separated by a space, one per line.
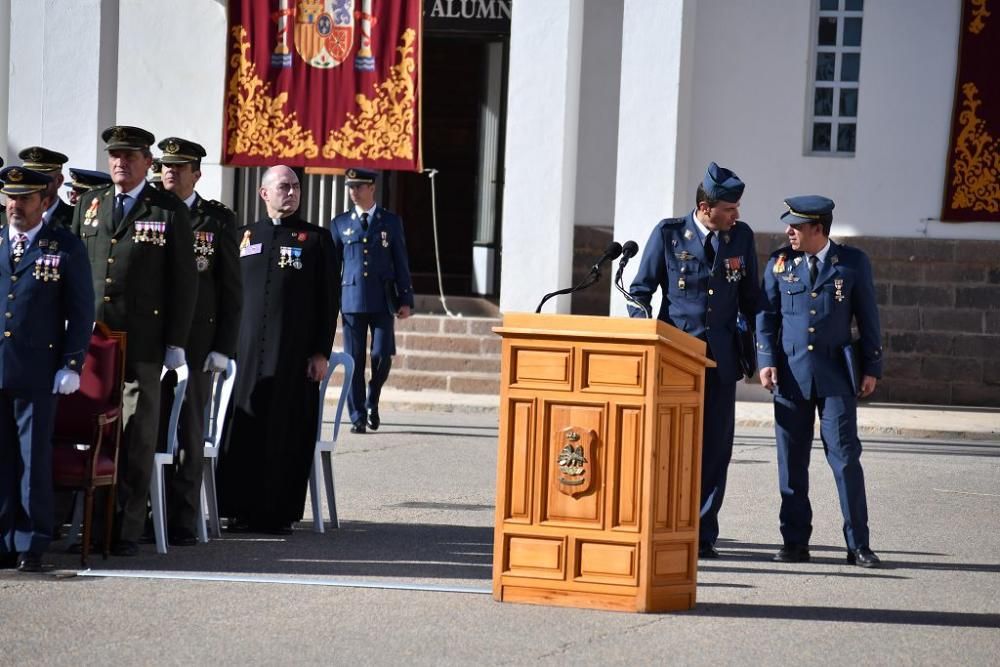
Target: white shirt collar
705 231
821 255
31 233
133 193
371 212
48 212
189 202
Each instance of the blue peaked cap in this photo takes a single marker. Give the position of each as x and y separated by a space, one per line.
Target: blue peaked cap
722 184
807 208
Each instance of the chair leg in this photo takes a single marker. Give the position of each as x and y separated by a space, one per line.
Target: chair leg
315 484
202 521
77 522
331 495
109 519
156 500
208 488
88 524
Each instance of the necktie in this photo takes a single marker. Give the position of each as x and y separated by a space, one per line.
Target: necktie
364 222
17 248
119 213
710 249
813 268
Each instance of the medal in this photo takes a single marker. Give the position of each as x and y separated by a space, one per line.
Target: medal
735 269
296 254
246 240
385 240
681 283
201 262
779 264
838 285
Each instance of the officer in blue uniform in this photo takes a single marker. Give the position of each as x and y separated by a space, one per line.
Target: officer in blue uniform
45 273
84 180
705 265
813 290
375 288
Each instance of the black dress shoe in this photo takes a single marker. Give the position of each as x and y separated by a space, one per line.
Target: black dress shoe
792 553
863 557
373 419
125 548
182 540
707 551
30 562
358 426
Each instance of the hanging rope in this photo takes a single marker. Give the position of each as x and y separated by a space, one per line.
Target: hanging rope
431 173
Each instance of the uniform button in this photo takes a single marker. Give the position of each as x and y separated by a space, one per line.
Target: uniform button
108 280
10 296
6 334
812 329
364 240
812 312
13 279
51 346
107 299
114 241
709 309
366 262
711 292
111 260
814 295
366 251
708 328
809 347
366 274
8 315
156 311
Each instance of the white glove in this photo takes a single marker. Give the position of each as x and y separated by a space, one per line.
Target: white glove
66 381
174 358
215 362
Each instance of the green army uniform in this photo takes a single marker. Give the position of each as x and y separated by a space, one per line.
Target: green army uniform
145 283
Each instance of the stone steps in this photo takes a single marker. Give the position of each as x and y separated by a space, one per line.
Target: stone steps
444 363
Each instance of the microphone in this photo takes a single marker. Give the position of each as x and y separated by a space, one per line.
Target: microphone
612 252
629 250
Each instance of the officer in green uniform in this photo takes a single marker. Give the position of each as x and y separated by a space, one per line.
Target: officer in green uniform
214 330
50 163
141 253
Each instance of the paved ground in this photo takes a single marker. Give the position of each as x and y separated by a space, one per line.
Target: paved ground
416 501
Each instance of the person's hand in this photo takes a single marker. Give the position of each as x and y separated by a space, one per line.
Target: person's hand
66 381
403 312
174 357
769 377
316 368
215 362
867 386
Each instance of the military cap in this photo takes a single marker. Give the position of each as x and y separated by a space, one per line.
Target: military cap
807 208
359 176
42 159
87 179
722 184
127 138
157 170
178 151
21 181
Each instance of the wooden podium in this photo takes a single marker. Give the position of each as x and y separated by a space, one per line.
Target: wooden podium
599 463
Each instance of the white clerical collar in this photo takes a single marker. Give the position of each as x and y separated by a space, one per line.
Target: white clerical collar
370 212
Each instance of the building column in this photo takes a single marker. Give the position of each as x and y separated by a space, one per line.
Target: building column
654 122
63 77
541 146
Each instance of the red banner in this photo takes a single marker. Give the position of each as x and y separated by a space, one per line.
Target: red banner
972 189
323 83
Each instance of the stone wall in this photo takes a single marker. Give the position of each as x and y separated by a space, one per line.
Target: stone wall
939 304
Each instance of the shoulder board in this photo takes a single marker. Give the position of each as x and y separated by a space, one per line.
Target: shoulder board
672 222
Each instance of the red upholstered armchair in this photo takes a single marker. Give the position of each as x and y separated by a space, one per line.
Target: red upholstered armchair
88 430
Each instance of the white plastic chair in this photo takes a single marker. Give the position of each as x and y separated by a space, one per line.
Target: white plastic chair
215 419
157 497
322 469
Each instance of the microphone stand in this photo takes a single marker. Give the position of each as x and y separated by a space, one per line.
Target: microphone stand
646 310
592 277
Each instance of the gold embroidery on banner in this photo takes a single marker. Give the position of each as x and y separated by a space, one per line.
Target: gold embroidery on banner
258 124
977 159
384 128
980 12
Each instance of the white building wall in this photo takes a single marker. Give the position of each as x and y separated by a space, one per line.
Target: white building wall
751 97
541 153
171 78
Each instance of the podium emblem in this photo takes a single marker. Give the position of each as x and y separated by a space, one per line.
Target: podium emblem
574 465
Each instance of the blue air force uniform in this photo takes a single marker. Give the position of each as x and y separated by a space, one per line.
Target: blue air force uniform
375 283
703 298
802 329
47 322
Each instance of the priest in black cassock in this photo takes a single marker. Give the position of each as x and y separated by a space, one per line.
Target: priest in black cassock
291 297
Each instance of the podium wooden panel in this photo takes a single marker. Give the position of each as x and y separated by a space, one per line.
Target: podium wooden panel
599 463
